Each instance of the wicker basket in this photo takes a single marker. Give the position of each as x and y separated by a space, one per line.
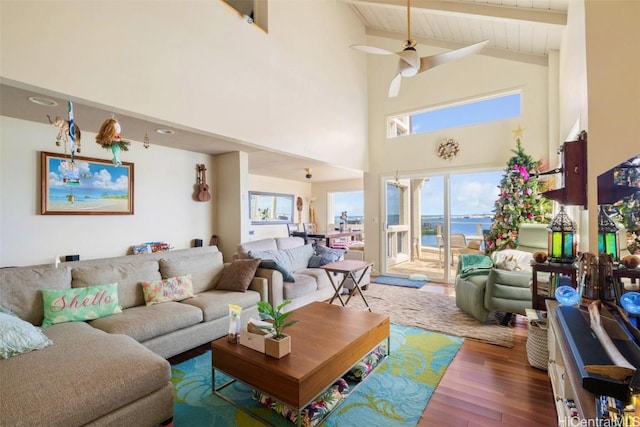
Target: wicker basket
537 350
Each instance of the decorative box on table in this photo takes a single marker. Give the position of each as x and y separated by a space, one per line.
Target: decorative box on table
254 337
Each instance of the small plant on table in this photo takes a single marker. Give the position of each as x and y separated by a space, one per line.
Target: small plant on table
276 316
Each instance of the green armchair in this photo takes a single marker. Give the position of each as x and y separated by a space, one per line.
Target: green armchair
506 289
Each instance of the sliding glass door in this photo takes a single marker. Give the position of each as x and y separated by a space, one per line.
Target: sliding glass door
396 226
434 218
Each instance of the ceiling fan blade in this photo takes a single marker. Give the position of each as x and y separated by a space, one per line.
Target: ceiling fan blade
394 88
371 49
428 62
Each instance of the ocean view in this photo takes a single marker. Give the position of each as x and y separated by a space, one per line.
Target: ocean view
87 199
465 224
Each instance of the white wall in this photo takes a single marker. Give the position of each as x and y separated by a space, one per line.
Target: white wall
482 146
232 172
197 64
164 205
613 67
573 73
599 89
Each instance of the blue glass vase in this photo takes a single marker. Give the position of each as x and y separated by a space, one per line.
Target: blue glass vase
567 295
630 301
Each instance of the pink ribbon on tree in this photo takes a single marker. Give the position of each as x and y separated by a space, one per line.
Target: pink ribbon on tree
523 172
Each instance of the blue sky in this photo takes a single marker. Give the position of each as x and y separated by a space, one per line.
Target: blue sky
481 111
470 194
352 202
97 176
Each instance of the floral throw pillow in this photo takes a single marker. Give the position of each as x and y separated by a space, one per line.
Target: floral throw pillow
166 290
315 411
79 304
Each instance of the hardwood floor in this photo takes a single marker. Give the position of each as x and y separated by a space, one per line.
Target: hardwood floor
485 385
488 385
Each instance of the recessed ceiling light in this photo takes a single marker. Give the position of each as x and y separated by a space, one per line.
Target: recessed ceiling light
165 131
43 101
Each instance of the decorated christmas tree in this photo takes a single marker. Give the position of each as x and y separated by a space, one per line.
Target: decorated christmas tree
519 201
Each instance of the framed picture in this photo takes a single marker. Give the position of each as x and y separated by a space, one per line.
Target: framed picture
85 186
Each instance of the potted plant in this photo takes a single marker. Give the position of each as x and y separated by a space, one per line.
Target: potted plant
278 344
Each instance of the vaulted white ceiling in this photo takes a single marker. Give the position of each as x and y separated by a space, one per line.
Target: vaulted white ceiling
519 29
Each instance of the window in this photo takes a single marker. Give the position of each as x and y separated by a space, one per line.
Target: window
395 205
270 208
454 115
399 126
351 202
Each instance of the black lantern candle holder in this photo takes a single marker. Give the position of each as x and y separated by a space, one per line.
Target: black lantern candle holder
607 236
562 239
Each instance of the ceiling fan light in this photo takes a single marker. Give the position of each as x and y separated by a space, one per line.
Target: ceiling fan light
409 71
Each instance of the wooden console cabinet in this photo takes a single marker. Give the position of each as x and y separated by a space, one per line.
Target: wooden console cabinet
565 377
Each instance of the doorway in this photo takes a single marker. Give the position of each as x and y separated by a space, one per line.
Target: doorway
431 219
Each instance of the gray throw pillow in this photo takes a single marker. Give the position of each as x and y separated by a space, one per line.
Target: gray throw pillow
273 265
318 261
334 254
286 261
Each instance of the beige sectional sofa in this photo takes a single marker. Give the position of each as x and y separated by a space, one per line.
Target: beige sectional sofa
113 370
310 283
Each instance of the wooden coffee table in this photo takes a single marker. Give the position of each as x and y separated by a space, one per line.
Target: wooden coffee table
326 343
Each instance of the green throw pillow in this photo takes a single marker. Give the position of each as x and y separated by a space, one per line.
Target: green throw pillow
78 304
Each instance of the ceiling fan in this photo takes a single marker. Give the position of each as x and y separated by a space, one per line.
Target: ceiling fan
410 63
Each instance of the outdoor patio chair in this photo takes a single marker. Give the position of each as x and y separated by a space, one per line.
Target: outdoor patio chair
458 241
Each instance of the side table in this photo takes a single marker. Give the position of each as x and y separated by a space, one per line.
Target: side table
538 301
348 268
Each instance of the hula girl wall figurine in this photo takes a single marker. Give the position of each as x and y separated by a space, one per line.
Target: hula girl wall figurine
109 138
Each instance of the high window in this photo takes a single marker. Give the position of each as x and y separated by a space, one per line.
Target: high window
454 115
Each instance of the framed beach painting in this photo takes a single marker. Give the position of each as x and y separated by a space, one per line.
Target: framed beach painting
85 186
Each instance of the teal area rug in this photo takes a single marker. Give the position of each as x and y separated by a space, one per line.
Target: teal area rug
399 281
395 394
